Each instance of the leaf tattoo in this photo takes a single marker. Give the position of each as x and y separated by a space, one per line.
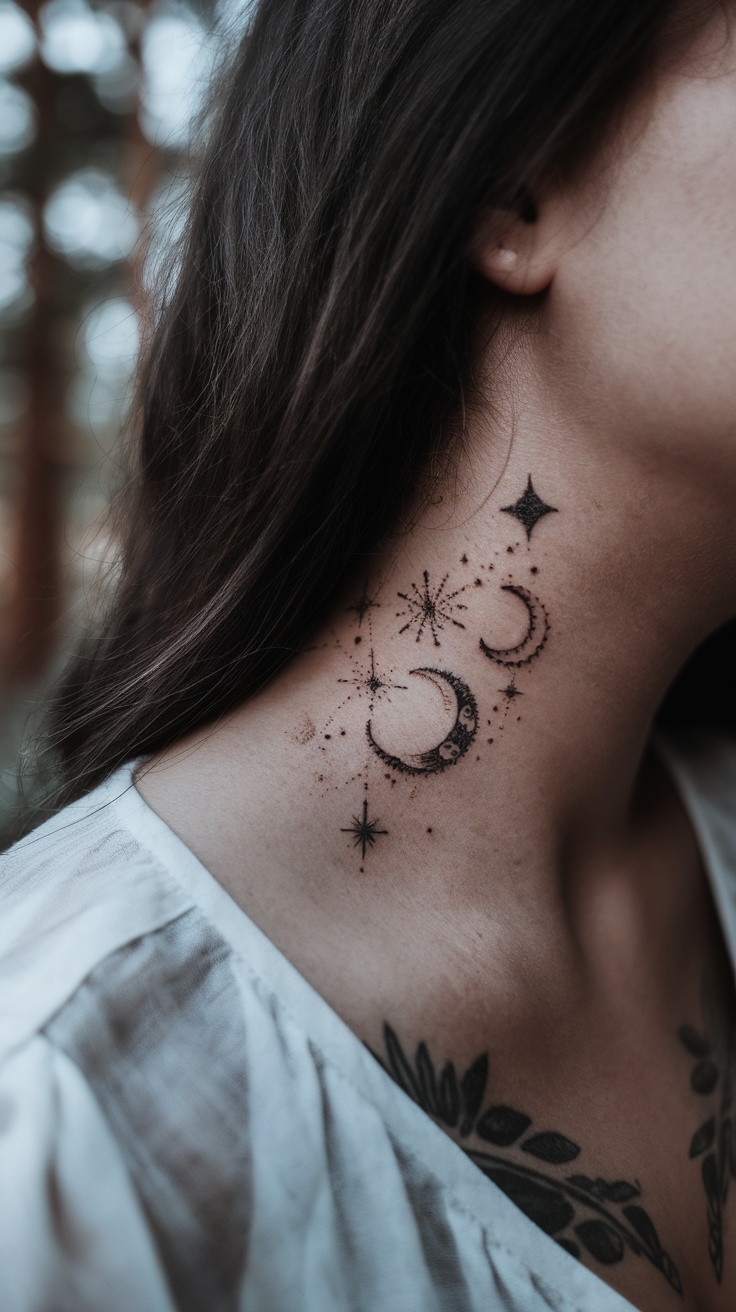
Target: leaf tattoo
595 1216
714 1053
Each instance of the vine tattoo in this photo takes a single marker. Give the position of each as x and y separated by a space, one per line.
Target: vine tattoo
601 1218
713 1072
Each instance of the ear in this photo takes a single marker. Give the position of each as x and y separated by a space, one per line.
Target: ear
517 250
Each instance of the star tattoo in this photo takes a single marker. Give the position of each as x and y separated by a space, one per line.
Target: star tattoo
529 509
367 679
364 831
431 608
511 692
363 605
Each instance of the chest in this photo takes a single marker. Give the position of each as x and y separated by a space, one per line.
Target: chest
622 1150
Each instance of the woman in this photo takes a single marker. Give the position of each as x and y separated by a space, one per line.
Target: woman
378 957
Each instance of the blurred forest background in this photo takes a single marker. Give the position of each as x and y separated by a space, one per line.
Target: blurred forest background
98 106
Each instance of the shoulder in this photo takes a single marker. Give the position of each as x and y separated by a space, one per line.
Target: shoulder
703 767
73 891
705 764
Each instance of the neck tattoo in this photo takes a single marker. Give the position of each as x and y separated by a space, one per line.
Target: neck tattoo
425 612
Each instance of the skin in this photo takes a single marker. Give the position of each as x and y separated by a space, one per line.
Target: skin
557 916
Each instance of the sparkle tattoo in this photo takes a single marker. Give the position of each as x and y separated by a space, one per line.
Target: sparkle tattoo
368 680
363 605
510 692
430 608
364 831
529 509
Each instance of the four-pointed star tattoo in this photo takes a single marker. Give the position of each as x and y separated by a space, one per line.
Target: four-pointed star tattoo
529 509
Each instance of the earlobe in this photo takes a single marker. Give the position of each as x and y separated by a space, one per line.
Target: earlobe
505 258
510 252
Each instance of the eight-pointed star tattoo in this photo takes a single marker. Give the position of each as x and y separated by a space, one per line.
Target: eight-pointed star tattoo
431 606
364 831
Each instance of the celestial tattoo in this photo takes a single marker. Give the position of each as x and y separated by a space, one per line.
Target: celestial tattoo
529 509
363 605
364 831
534 638
368 680
454 745
511 692
432 608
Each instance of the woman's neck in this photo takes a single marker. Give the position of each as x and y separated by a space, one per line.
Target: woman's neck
556 582
479 700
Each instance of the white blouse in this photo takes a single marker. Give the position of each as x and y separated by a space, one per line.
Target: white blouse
185 1124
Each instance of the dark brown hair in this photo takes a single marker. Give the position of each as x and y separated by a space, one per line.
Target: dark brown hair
311 350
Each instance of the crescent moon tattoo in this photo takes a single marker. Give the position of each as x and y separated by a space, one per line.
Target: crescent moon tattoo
454 745
534 638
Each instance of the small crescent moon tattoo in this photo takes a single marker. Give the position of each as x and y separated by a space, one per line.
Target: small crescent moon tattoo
534 638
454 745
